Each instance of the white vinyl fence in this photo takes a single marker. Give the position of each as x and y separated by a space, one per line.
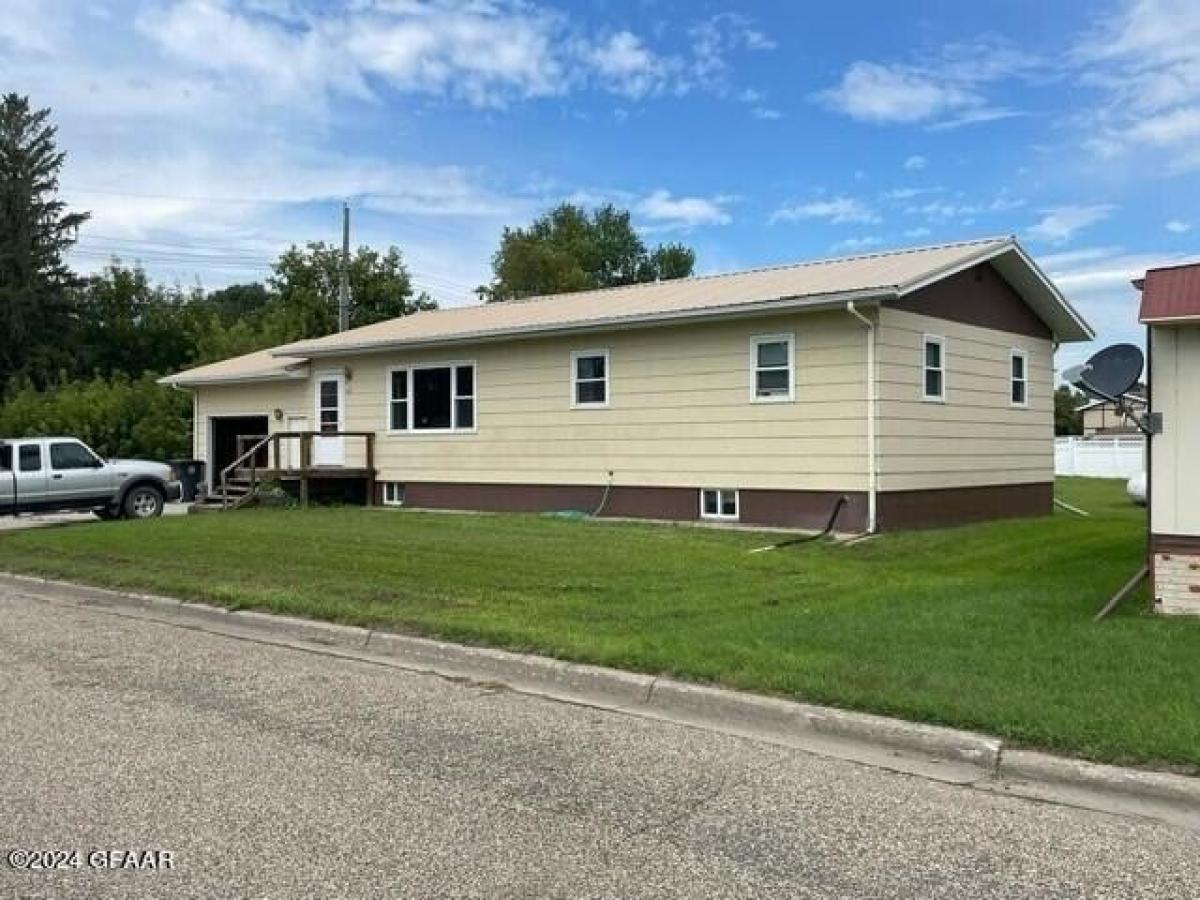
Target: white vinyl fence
1100 457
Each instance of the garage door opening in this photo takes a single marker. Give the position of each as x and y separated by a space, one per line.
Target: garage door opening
229 437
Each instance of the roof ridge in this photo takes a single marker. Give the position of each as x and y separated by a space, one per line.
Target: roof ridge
825 260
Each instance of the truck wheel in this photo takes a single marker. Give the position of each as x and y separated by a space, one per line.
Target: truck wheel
144 502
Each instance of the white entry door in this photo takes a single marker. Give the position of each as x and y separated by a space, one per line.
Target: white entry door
291 448
331 417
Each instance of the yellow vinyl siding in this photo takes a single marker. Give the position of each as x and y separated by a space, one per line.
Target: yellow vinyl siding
294 397
976 436
679 414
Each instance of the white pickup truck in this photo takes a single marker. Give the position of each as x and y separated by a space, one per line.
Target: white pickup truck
59 473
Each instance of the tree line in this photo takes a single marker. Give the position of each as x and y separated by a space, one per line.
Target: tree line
79 354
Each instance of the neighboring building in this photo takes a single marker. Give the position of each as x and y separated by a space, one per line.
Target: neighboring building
1171 312
917 383
1102 419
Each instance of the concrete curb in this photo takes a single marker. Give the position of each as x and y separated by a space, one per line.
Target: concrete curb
977 760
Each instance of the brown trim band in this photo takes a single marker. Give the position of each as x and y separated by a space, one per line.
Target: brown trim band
1175 543
942 507
782 508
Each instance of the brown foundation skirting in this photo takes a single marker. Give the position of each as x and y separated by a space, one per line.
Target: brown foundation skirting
900 510
1187 544
795 509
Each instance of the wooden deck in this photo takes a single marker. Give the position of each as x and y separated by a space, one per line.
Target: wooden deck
247 470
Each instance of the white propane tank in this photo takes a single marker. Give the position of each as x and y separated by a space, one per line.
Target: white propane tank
1136 488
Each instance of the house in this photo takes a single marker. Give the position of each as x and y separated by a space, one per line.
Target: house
916 383
1170 309
1102 419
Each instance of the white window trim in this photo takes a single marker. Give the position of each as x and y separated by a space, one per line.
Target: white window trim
755 341
719 516
1016 353
576 355
926 340
420 432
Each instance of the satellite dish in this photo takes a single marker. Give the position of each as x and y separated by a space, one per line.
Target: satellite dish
1112 371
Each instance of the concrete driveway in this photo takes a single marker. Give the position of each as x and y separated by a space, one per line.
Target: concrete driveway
267 771
42 520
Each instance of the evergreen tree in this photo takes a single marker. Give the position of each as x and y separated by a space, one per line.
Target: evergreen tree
35 231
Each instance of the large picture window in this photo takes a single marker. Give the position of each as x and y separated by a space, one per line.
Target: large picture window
774 368
432 398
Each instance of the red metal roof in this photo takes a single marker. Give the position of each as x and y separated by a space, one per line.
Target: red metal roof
1171 294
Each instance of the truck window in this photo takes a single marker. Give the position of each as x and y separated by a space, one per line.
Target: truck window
64 455
6 458
30 457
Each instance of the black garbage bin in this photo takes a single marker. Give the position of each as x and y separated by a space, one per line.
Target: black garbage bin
191 475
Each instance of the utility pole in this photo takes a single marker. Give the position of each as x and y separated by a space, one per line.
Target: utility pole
344 274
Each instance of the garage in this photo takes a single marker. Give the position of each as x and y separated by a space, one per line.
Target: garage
230 437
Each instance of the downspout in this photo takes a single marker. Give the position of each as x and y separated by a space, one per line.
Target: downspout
872 462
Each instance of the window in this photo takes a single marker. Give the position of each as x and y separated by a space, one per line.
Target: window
589 378
773 359
1018 378
398 401
31 457
718 503
329 408
933 365
6 458
432 398
393 493
71 455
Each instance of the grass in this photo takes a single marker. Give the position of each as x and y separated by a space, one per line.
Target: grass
984 627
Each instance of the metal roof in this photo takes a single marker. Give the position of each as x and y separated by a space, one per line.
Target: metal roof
1171 294
812 285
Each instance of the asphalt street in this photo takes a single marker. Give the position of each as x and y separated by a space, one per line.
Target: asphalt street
265 771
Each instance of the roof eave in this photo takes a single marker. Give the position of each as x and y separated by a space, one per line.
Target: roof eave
807 303
181 380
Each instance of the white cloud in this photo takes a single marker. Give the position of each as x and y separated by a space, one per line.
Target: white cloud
946 92
915 163
855 244
767 114
684 212
1146 62
1178 226
628 67
837 210
919 232
1060 224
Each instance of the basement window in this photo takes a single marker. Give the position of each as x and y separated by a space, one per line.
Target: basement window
773 359
431 398
719 503
393 493
933 368
1018 378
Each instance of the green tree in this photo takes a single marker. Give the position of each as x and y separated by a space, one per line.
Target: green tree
568 249
126 325
117 416
1068 419
305 284
35 230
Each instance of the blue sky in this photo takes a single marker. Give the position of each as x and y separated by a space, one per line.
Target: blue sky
207 135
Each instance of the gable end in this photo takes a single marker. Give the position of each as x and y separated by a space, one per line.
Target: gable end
977 296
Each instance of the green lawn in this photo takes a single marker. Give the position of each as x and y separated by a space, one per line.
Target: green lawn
986 627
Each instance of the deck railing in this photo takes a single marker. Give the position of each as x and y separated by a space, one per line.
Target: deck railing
247 461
